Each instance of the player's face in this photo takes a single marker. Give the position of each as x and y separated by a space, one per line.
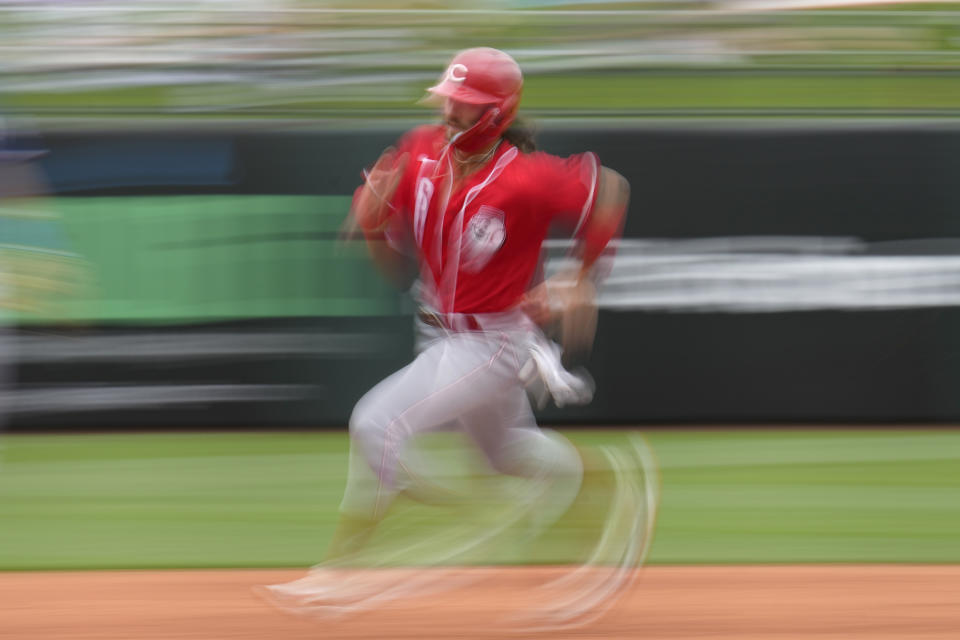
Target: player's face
460 116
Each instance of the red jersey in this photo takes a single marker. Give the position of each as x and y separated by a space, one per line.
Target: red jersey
480 246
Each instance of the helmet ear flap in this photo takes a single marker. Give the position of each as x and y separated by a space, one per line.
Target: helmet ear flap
490 120
508 109
489 127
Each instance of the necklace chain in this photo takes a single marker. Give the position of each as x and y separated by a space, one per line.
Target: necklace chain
477 158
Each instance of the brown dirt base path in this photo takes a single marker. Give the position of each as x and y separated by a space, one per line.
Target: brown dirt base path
743 603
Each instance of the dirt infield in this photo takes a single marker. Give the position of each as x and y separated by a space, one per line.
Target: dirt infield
769 602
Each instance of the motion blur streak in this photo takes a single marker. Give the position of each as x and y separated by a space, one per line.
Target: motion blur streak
752 274
280 57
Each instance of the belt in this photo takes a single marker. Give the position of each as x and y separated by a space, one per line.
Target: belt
463 321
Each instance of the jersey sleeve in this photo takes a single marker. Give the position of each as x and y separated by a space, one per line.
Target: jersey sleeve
408 144
567 188
401 197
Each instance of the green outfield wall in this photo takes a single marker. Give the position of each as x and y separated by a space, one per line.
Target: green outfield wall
209 257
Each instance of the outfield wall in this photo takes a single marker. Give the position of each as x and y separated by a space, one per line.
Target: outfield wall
798 272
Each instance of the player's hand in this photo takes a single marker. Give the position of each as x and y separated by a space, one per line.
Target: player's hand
565 306
578 317
373 209
536 304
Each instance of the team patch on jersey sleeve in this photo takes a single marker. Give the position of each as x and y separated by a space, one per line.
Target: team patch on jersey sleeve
483 237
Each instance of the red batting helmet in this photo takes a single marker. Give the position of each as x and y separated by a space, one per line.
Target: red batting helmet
483 76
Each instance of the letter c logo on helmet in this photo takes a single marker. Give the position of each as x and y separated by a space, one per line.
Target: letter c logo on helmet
454 70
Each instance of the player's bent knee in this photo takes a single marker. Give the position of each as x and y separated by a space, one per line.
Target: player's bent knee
366 433
538 453
560 455
379 440
364 423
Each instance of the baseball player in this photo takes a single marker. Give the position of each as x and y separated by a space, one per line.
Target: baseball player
471 202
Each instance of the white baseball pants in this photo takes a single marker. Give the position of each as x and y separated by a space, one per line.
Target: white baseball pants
460 380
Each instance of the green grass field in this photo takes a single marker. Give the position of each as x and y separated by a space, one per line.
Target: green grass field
599 93
270 499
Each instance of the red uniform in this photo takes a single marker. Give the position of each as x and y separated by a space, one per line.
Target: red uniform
480 246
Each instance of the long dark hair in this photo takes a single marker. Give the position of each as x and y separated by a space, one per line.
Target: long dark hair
521 134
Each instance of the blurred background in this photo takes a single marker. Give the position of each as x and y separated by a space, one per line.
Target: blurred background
310 59
174 176
792 164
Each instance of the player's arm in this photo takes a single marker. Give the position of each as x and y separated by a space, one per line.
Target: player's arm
605 221
374 212
567 301
372 205
399 268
